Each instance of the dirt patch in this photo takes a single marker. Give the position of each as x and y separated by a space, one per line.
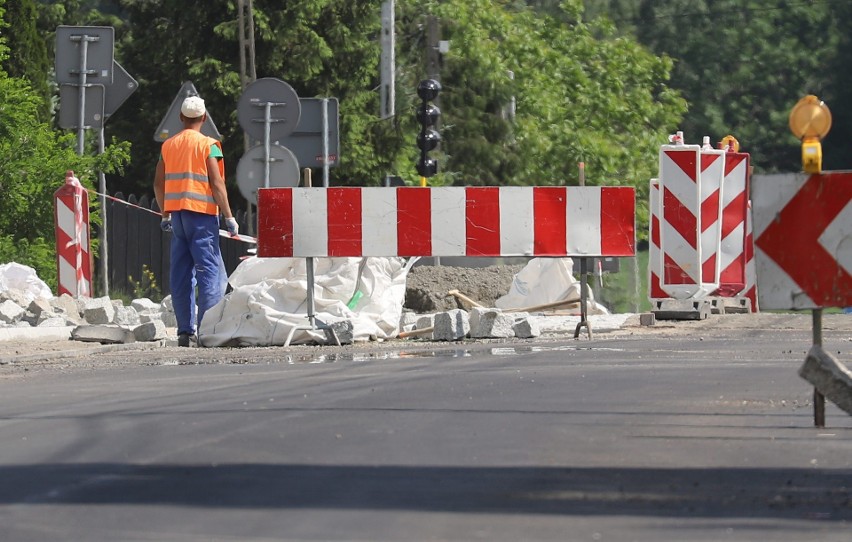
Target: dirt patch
427 286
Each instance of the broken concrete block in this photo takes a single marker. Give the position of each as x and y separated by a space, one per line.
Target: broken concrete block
99 310
169 318
11 312
143 305
491 324
40 305
18 297
340 332
53 321
452 325
166 305
150 331
830 377
146 317
126 316
525 328
66 305
102 334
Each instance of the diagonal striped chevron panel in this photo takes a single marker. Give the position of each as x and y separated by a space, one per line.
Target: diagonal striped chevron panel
446 221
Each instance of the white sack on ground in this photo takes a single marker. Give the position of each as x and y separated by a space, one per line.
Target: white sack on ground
24 279
543 281
269 299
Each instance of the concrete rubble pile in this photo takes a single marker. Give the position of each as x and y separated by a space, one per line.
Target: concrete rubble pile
99 319
268 299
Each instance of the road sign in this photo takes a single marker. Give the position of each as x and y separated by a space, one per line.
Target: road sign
251 170
99 53
69 107
803 239
284 109
171 124
123 85
306 140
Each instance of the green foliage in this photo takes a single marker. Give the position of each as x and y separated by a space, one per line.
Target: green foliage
146 286
743 65
28 52
35 159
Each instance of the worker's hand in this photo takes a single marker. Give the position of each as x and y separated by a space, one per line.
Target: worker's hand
166 224
232 226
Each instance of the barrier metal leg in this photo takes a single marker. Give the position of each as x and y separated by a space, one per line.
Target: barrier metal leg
819 398
584 300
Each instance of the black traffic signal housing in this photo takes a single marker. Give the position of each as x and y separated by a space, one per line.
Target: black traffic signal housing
427 115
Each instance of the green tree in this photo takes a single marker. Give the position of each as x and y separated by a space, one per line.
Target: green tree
27 56
741 66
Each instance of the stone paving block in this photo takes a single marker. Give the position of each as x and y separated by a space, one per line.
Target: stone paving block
40 305
647 319
146 317
143 304
126 316
526 328
11 312
169 318
99 310
16 296
342 330
150 331
830 377
452 325
425 321
53 321
490 323
102 334
408 319
66 305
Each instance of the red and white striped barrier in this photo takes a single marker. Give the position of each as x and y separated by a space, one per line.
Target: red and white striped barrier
655 261
732 249
73 260
446 221
750 290
710 184
680 244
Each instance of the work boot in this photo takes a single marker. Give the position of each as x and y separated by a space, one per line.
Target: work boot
187 340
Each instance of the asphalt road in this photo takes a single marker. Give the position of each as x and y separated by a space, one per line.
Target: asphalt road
686 436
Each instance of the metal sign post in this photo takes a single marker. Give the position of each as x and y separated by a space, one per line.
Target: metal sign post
86 79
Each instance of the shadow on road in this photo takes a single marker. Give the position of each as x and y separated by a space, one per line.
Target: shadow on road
712 493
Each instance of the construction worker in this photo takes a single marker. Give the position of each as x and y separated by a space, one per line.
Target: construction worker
189 185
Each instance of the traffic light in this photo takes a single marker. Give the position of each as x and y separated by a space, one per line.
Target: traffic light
428 139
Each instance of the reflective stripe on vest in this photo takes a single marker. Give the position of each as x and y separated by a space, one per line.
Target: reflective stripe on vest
187 184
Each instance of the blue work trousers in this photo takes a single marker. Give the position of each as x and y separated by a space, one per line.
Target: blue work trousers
196 260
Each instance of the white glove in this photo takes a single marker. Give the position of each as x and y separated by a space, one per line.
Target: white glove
232 226
166 224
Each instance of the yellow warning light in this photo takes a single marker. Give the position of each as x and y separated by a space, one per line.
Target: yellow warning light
810 121
731 142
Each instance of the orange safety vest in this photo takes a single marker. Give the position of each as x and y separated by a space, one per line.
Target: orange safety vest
187 185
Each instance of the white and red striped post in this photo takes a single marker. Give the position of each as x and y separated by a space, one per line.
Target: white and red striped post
655 260
732 250
680 212
712 192
74 270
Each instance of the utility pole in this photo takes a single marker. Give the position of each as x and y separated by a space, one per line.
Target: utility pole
387 90
248 72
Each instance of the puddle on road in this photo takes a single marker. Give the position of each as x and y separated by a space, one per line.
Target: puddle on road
450 353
